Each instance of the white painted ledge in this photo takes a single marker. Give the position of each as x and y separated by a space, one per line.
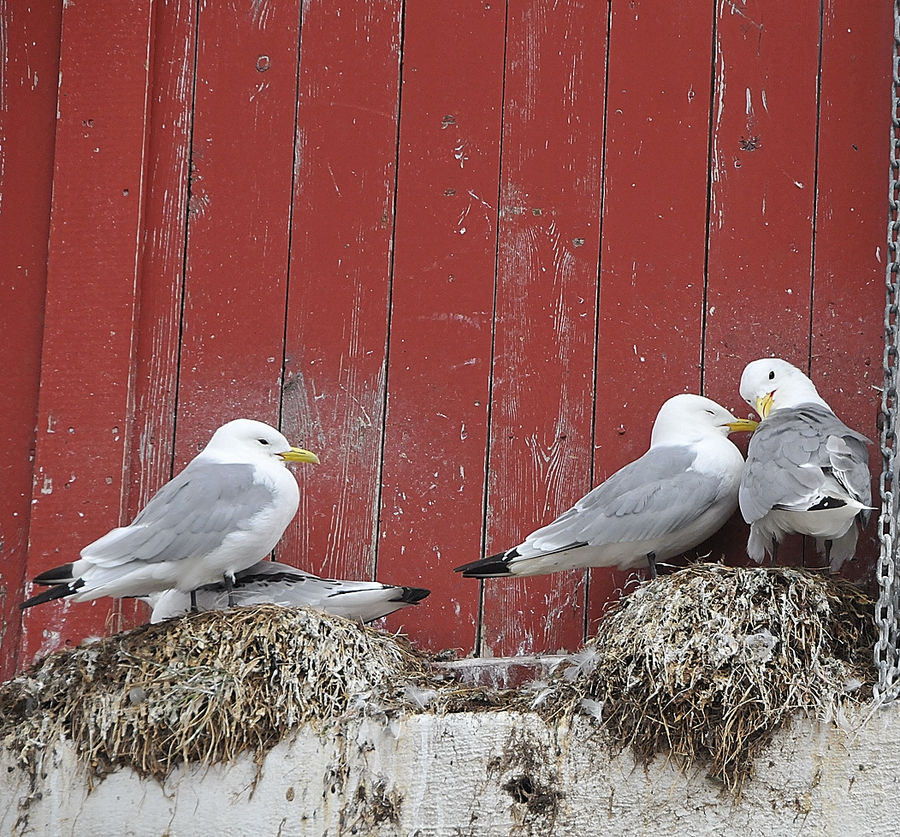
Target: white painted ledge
463 774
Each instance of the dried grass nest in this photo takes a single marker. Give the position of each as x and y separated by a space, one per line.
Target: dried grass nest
706 664
211 685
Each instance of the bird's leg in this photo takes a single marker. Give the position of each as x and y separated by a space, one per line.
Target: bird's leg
651 560
774 552
827 554
193 601
229 586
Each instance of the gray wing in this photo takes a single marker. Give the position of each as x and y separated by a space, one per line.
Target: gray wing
850 465
270 582
791 457
262 569
648 498
188 517
288 584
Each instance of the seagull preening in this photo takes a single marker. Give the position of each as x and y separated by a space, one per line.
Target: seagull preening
270 582
672 498
806 472
224 512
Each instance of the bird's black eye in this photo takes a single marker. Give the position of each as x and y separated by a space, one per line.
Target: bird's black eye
772 375
710 412
262 441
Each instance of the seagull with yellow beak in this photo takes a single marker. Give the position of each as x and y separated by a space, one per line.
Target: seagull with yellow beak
681 491
806 471
224 512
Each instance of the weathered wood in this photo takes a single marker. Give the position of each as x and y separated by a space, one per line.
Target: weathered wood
433 476
542 400
483 756
29 69
761 201
848 279
342 225
242 159
85 403
447 428
654 232
161 266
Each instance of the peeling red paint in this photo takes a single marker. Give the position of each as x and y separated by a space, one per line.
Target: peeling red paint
466 275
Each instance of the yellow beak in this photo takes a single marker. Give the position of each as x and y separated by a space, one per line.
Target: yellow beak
299 455
742 424
764 404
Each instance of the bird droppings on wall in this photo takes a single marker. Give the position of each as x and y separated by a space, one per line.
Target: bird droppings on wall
533 783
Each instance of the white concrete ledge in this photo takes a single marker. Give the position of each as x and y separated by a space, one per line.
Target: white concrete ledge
478 774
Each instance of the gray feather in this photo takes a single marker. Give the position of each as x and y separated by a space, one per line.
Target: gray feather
648 498
792 453
189 516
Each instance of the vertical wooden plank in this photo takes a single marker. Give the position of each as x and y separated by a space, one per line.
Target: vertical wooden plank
848 289
161 266
341 234
86 364
29 69
654 231
162 247
442 309
542 400
760 235
239 209
762 196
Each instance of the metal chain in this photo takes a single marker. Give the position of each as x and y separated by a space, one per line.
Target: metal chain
887 611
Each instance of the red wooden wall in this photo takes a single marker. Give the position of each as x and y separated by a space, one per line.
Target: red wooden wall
462 249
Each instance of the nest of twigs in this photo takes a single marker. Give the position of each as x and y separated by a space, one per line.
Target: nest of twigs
211 685
708 663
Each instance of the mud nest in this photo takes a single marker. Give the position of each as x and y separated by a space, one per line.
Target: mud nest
208 686
709 662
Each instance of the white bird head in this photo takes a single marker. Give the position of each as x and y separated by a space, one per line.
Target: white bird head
771 383
245 440
685 418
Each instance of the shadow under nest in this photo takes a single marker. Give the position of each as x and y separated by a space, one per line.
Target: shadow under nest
706 664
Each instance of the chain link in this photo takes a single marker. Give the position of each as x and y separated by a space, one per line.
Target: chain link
887 611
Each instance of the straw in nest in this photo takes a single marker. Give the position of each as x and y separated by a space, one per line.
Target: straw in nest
709 662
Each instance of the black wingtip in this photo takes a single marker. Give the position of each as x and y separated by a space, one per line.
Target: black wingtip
413 595
58 591
58 575
828 503
493 566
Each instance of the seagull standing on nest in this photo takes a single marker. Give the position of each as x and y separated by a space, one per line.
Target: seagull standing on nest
224 512
807 472
674 497
270 582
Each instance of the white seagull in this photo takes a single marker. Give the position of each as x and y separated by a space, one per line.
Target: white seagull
806 472
224 512
270 582
672 498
